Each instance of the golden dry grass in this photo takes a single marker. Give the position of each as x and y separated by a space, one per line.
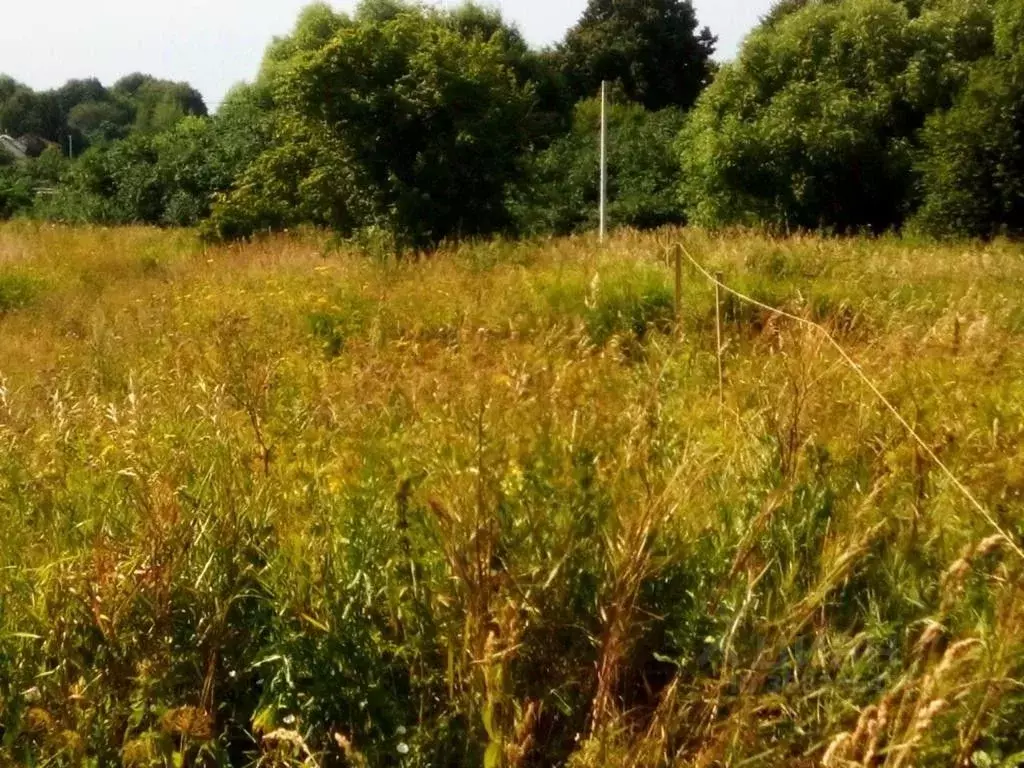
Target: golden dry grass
485 507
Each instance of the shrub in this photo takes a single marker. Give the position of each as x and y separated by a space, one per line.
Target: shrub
16 194
17 290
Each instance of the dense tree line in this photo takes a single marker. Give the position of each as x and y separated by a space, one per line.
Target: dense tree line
87 113
866 115
400 124
404 126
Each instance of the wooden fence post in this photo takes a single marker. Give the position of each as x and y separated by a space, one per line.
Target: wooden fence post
718 337
679 287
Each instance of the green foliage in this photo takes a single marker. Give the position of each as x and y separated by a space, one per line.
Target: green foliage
316 25
20 181
100 121
16 193
643 172
25 112
85 113
972 161
302 178
781 9
816 124
400 126
540 70
159 105
650 47
406 124
17 290
168 178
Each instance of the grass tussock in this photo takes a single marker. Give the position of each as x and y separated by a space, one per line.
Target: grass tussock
277 504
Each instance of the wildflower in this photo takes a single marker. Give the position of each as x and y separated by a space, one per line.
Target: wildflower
403 748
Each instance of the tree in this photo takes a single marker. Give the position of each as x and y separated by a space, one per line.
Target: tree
26 112
433 123
303 177
159 104
399 122
539 70
651 47
8 87
87 112
168 178
316 25
816 125
98 121
972 163
75 92
643 172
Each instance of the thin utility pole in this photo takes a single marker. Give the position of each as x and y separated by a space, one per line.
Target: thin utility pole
604 158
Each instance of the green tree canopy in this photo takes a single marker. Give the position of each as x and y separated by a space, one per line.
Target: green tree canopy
159 104
432 122
972 163
25 112
817 123
87 112
653 48
102 120
400 121
643 172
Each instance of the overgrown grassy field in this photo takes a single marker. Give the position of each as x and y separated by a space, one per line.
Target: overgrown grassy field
279 504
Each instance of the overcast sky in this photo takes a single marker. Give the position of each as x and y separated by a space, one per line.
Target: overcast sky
216 43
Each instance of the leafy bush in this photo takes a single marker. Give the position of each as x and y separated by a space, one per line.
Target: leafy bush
168 178
16 193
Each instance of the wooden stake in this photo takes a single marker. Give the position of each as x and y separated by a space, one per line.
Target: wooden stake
718 335
679 287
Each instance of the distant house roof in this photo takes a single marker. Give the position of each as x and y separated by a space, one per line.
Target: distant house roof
13 147
25 147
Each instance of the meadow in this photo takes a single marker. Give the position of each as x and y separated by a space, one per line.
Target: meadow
280 504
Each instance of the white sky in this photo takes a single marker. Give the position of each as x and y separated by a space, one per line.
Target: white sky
214 44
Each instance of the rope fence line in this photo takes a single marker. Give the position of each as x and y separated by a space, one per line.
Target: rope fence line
855 366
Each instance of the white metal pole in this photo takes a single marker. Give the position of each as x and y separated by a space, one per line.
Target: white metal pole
604 159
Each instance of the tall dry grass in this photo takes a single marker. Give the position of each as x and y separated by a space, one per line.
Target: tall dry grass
278 504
